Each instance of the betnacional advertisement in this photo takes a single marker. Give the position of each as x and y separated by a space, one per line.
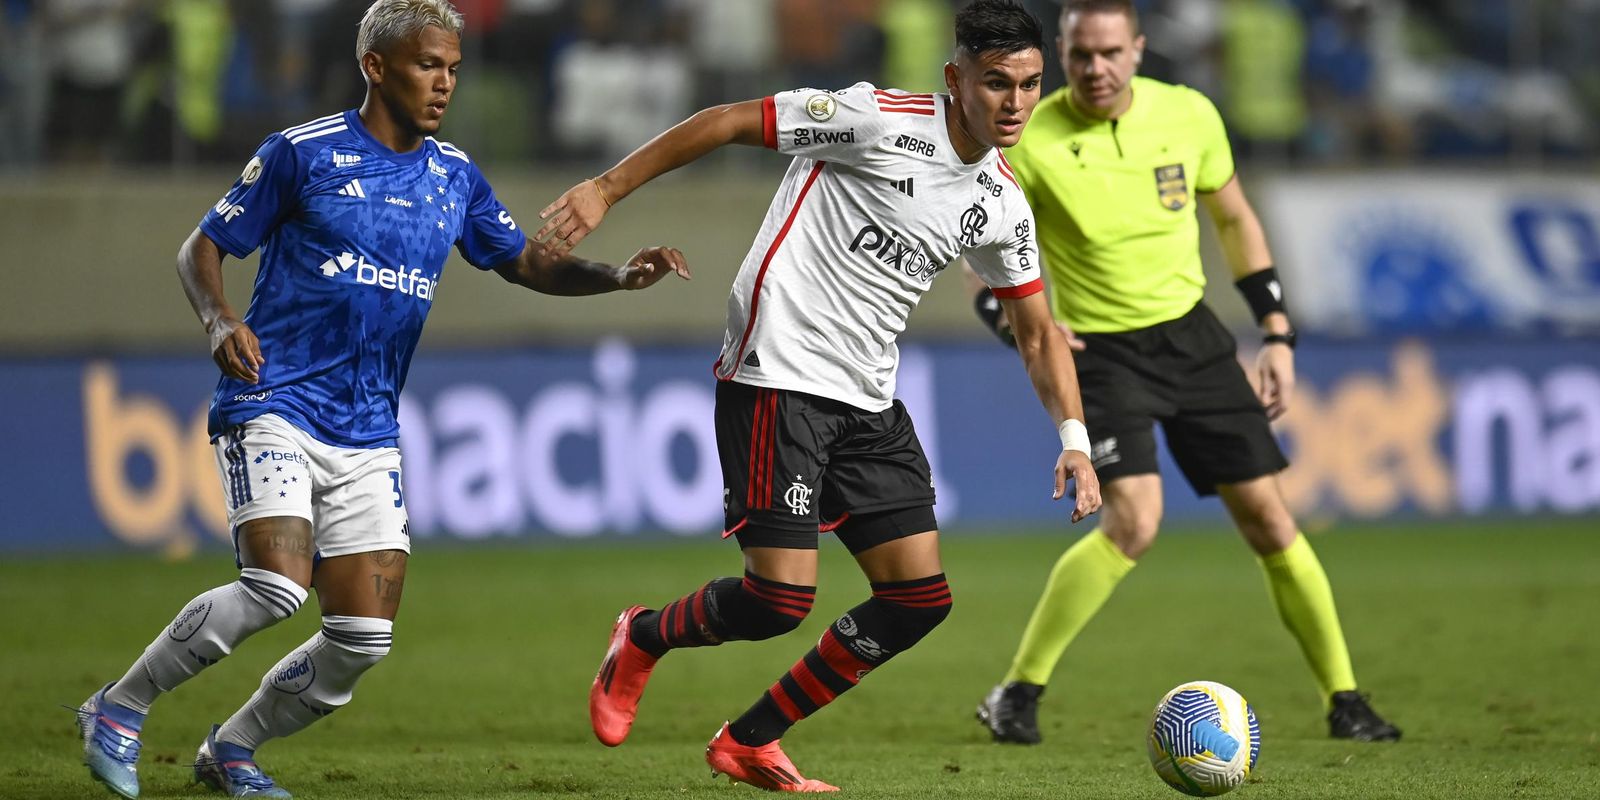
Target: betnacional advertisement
617 440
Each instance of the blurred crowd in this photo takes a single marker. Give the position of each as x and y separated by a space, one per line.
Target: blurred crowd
131 82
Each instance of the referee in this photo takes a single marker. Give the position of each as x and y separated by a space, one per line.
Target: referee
1111 165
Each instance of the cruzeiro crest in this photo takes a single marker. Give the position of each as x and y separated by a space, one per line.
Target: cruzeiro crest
1172 187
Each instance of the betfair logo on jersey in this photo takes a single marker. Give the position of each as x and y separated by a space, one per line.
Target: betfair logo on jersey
805 136
1172 187
401 280
895 252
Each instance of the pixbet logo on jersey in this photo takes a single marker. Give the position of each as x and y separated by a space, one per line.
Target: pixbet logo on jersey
411 282
894 251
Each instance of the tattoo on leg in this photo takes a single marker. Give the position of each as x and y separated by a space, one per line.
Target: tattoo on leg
385 558
387 589
287 542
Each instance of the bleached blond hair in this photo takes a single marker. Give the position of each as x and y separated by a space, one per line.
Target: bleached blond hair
389 22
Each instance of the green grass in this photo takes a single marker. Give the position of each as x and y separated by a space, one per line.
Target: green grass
1478 640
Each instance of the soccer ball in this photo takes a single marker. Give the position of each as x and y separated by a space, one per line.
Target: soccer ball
1204 739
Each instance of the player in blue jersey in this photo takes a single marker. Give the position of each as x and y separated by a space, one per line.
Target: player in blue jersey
355 214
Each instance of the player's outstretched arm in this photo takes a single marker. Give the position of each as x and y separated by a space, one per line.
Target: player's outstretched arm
233 345
543 269
1049 362
578 211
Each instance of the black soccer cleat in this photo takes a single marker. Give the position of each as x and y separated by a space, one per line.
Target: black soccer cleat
1011 713
1352 718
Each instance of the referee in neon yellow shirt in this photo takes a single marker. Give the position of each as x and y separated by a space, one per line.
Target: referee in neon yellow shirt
1112 166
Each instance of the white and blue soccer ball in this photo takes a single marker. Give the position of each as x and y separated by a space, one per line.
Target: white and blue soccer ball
1204 739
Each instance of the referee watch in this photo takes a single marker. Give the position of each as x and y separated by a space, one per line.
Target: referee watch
1289 338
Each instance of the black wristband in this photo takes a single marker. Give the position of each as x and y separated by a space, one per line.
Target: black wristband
1263 291
988 308
1281 338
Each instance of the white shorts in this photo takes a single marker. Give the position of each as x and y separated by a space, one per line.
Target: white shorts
351 495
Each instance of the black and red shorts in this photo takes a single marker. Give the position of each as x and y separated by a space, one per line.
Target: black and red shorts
795 464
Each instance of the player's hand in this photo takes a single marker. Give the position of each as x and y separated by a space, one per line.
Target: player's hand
651 265
236 350
1074 465
1275 378
571 217
1073 342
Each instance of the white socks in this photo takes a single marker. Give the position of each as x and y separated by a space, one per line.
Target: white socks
204 632
311 682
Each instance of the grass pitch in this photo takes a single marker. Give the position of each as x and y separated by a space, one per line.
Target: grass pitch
1477 640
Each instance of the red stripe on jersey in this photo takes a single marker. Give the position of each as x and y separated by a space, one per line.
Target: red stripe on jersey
1013 292
1005 169
928 96
906 101
769 122
926 112
766 261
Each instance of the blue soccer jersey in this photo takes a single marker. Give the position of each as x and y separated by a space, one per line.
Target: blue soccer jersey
354 238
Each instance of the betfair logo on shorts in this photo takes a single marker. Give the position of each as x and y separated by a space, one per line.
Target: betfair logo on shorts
368 274
275 455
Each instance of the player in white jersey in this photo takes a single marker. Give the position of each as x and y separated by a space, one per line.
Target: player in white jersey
885 190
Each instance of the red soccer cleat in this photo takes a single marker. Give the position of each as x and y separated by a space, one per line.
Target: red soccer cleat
764 767
614 695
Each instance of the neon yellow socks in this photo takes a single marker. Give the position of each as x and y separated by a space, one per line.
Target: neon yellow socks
1300 590
1080 583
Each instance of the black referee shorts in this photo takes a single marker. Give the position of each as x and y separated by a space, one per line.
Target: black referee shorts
1184 374
795 464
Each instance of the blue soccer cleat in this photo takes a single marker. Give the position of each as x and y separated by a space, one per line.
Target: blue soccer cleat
231 769
111 743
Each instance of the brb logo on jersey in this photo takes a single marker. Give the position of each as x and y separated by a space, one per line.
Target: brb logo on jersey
412 283
895 253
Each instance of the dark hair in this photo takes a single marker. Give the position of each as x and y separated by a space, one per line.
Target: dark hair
1123 7
1001 25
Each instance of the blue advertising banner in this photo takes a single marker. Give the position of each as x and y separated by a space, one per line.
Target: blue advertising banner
617 439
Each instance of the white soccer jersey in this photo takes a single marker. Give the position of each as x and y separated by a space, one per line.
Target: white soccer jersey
874 206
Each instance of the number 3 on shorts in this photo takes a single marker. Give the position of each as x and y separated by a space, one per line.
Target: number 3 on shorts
399 499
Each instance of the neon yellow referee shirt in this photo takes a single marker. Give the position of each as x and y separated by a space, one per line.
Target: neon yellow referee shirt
1114 202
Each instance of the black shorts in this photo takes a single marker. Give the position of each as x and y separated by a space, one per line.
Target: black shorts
1185 374
795 464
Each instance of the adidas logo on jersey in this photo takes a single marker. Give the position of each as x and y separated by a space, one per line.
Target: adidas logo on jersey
904 187
352 189
345 159
412 283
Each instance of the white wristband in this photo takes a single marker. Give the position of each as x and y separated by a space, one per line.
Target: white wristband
1074 436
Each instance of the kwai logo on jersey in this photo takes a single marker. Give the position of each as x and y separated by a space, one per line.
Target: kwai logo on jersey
895 252
408 282
806 136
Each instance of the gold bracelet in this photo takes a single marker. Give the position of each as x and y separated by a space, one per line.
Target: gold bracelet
601 192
